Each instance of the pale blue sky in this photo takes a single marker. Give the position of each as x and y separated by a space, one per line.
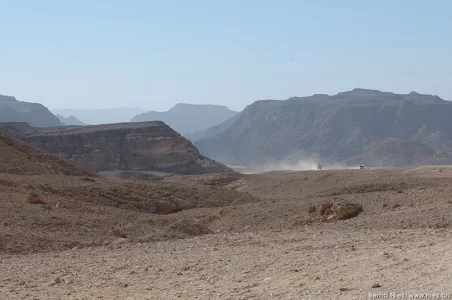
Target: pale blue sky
153 54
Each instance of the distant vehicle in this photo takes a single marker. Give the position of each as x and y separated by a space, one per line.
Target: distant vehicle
319 167
361 167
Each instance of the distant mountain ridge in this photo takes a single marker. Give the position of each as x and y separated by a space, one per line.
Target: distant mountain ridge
100 116
35 114
189 118
355 127
71 120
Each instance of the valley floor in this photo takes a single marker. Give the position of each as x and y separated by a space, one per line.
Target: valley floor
399 245
311 263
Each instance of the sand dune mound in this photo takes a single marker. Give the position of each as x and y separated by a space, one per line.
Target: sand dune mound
19 158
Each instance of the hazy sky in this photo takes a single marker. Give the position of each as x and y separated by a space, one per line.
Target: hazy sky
153 54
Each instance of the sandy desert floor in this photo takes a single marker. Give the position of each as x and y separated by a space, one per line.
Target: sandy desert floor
253 243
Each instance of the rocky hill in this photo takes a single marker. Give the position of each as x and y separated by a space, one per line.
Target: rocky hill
355 127
48 204
151 146
35 114
189 118
18 158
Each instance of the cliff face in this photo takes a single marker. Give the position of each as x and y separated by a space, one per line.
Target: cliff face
360 126
35 114
150 146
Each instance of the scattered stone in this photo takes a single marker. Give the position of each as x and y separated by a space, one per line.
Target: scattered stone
376 285
88 179
33 198
119 233
57 280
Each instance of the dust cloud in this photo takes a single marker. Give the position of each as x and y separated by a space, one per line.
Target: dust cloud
300 165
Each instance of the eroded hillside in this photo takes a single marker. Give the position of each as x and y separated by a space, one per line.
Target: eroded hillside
357 127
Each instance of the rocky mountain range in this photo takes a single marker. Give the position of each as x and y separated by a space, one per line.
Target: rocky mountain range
35 114
189 118
148 146
71 120
100 116
361 126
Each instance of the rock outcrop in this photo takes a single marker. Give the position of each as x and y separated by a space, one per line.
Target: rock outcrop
35 114
150 146
357 127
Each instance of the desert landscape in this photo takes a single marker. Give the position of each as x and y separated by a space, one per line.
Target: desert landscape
220 236
225 150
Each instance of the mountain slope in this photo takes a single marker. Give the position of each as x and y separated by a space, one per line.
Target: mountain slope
360 126
12 110
20 158
212 131
189 118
